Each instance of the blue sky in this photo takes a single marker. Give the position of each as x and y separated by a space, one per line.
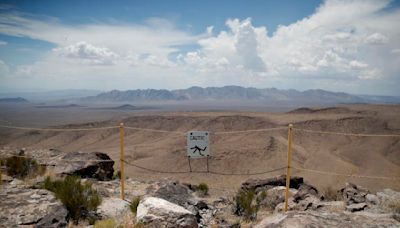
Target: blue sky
350 46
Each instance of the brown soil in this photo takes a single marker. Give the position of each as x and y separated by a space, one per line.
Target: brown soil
244 152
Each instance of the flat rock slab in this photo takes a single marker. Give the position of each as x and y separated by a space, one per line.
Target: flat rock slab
23 206
322 219
157 212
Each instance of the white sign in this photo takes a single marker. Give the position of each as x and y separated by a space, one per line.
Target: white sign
197 144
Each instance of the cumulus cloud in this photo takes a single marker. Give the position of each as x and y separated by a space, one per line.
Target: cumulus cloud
88 53
376 38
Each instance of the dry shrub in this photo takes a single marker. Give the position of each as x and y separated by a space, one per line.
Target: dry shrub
134 204
330 194
78 198
202 189
21 167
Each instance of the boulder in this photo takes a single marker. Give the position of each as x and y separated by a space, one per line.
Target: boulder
173 192
157 212
34 207
86 165
264 184
113 208
319 219
275 196
304 191
353 194
372 199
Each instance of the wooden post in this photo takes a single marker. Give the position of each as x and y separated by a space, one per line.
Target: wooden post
122 159
289 159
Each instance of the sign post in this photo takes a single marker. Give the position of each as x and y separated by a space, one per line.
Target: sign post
198 144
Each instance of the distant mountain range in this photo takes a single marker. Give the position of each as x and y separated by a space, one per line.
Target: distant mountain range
13 100
237 93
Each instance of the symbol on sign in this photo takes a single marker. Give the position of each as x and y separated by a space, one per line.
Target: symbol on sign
196 148
198 144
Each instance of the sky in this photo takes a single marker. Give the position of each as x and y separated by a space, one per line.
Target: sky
338 45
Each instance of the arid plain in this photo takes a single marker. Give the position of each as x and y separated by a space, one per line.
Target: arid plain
235 149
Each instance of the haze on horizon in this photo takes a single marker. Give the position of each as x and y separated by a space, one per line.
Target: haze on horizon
335 45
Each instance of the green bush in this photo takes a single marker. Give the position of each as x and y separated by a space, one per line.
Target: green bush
203 189
134 204
245 204
21 167
78 198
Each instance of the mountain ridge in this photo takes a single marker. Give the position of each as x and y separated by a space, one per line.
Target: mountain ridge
269 95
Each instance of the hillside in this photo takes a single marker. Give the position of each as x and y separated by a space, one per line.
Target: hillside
237 93
243 152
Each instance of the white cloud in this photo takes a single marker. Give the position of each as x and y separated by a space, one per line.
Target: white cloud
88 53
3 42
376 38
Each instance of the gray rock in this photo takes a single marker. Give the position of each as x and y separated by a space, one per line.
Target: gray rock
372 199
113 208
37 207
86 165
157 212
356 207
173 192
263 184
275 196
332 206
320 219
353 194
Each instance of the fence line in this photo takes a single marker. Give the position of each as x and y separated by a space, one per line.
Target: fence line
59 129
346 134
210 172
216 133
346 175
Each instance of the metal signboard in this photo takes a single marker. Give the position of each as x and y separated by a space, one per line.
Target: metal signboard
197 144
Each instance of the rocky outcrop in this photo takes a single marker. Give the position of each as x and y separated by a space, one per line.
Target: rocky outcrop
157 212
264 184
353 194
86 165
320 219
173 192
37 207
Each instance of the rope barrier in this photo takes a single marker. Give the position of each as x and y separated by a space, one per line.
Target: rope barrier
346 175
58 129
253 130
346 134
154 130
53 159
210 172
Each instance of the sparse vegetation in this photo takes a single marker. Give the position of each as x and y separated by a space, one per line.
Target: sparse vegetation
202 189
134 204
330 194
78 198
106 223
394 206
21 167
117 175
246 205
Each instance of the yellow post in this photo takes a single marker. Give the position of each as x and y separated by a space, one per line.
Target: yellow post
289 159
122 160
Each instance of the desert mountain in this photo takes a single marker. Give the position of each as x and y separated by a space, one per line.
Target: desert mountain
237 93
13 100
